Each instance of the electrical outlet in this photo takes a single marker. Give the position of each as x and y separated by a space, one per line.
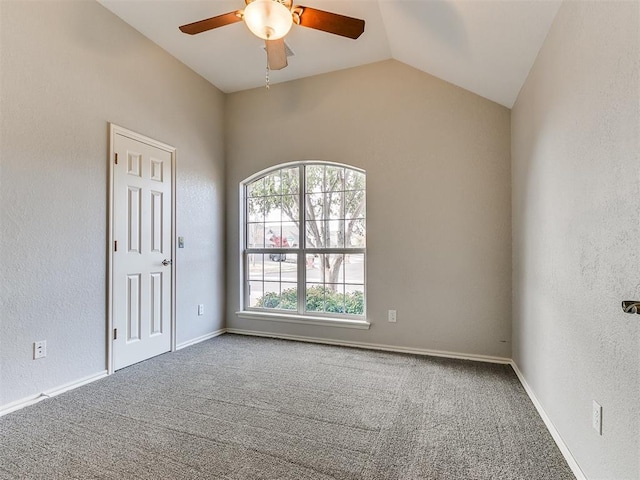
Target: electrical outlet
596 415
392 316
39 349
201 309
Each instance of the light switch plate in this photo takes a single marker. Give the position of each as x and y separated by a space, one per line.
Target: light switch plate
597 417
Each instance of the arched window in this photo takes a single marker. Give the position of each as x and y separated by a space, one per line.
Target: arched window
304 241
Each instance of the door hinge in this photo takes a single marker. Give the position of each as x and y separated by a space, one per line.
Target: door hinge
116 158
115 245
115 333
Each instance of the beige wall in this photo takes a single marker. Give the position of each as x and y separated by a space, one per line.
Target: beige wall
576 232
438 227
439 216
66 70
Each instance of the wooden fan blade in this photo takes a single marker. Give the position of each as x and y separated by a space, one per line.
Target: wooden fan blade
211 23
276 54
331 22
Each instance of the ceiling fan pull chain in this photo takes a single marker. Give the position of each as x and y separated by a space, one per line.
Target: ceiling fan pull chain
267 76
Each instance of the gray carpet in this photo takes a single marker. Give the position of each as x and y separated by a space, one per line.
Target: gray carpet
252 408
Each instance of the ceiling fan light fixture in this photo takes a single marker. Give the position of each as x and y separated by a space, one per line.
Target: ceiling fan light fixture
268 19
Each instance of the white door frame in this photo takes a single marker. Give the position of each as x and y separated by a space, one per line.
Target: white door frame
113 130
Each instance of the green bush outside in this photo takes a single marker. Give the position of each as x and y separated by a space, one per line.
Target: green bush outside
319 299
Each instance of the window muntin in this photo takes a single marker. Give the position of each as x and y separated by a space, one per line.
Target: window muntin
304 240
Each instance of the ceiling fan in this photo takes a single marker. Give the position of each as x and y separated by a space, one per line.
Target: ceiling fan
271 20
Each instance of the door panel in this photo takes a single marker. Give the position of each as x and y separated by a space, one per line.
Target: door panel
142 225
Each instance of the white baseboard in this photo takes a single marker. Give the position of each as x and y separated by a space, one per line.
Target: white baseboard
201 338
564 449
18 404
374 346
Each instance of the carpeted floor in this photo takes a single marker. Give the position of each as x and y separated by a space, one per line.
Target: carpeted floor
252 408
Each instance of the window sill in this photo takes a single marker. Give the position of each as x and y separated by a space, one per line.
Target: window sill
304 320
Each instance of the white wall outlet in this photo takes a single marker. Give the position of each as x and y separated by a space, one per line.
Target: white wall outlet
39 349
596 415
392 316
200 309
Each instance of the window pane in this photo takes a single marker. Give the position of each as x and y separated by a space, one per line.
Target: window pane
315 206
290 211
290 181
314 268
334 298
315 298
272 263
354 204
273 235
255 293
355 234
334 179
271 287
289 268
255 210
273 184
311 263
334 266
354 300
335 205
354 269
255 264
272 208
354 180
315 234
314 178
279 266
289 235
255 189
271 295
334 231
289 296
255 234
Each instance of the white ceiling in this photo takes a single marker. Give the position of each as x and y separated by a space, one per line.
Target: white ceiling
485 46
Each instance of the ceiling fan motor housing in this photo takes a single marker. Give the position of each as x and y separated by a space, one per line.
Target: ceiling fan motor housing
268 19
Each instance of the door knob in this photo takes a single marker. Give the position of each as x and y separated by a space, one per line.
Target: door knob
166 262
631 306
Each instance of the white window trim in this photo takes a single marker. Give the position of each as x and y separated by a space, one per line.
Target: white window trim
357 322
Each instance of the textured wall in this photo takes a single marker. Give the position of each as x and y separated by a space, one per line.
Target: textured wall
438 172
576 211
68 68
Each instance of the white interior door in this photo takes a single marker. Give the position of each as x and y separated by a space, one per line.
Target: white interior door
142 249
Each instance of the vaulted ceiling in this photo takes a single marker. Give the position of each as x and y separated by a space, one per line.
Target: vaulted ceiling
485 46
